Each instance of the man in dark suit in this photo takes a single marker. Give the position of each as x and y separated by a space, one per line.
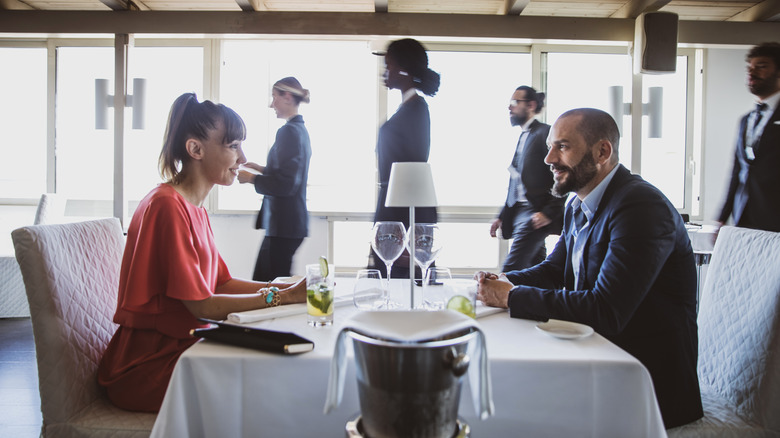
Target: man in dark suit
753 199
531 212
623 265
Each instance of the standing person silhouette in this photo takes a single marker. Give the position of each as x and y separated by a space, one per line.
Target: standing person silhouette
406 136
753 198
530 212
283 182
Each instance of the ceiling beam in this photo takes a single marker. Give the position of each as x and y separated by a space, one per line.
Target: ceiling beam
245 5
767 10
138 5
14 4
516 7
380 6
361 24
117 5
633 8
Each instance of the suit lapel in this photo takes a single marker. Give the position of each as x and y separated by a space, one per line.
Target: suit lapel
621 178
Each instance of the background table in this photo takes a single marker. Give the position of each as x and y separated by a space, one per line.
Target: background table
542 387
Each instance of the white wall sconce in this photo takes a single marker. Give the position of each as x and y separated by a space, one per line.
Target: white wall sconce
652 109
104 101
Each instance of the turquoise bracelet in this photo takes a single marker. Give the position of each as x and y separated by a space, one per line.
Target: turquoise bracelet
271 296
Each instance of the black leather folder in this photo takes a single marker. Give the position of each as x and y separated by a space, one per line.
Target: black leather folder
256 338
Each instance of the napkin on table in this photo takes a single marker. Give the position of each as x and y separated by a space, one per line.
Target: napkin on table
412 326
279 311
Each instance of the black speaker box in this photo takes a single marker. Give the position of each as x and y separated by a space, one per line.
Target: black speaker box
655 42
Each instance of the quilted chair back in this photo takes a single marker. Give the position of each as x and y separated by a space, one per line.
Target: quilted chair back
71 275
739 324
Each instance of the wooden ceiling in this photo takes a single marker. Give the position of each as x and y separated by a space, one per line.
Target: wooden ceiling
691 10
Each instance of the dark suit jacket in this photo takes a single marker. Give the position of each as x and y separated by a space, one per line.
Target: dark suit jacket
404 137
753 199
283 184
537 180
637 288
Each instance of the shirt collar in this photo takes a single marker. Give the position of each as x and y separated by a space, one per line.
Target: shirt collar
527 126
408 94
591 202
771 102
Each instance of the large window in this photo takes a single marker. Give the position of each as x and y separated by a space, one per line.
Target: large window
169 72
472 142
22 122
572 82
664 158
341 117
85 152
85 155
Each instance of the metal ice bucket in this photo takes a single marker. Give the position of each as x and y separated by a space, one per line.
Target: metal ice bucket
410 390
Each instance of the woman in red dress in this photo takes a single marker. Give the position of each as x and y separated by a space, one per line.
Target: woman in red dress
172 273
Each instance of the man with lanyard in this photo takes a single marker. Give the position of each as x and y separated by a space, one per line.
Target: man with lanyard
753 198
531 212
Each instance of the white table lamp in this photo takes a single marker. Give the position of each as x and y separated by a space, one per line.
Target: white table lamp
411 185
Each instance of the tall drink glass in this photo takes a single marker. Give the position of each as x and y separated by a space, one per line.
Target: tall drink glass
319 296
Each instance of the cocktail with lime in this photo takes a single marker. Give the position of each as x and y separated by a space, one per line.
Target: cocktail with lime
319 294
463 297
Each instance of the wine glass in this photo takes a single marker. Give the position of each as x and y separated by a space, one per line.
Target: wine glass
426 246
388 240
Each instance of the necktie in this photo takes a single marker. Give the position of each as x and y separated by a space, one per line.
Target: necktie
760 107
514 181
579 219
751 144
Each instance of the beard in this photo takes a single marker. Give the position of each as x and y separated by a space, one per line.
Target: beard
762 87
518 120
576 177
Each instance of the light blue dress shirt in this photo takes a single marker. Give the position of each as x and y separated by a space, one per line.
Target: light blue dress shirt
589 205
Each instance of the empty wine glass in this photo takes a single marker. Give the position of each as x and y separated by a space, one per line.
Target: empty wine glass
388 240
426 246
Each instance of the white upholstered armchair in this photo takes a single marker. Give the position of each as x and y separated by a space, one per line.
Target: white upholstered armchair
71 276
739 339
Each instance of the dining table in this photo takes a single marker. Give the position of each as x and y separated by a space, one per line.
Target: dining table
542 385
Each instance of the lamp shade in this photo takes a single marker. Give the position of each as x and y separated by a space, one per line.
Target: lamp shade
411 185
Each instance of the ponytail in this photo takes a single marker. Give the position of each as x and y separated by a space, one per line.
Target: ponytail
190 119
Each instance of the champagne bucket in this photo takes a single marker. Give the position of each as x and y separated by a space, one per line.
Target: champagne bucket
410 390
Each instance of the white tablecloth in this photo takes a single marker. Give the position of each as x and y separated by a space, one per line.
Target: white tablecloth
542 387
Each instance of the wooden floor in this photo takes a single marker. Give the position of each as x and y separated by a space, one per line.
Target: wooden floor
20 402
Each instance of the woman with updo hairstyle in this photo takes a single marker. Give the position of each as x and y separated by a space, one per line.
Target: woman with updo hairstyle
282 182
406 136
172 273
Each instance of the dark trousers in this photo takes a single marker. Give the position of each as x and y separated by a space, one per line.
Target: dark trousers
528 247
275 257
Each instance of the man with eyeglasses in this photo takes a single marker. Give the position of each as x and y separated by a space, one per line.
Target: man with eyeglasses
531 212
753 198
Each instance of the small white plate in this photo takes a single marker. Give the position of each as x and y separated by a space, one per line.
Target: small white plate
565 329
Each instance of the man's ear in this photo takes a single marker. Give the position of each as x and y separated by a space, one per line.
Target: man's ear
194 148
532 105
604 151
